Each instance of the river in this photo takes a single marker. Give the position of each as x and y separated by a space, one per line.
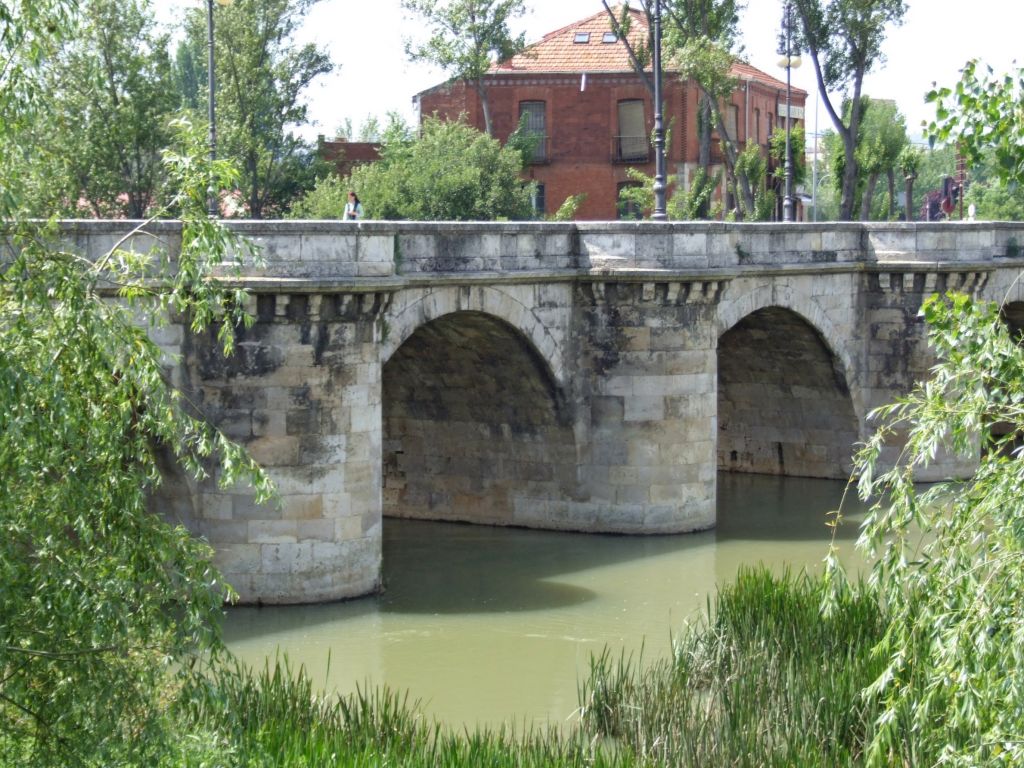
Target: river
489 625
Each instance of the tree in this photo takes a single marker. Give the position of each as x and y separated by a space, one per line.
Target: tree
450 172
261 76
466 37
31 32
908 163
881 139
982 113
105 608
798 155
844 39
109 135
949 559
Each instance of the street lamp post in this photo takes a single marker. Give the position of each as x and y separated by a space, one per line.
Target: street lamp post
659 128
212 206
790 62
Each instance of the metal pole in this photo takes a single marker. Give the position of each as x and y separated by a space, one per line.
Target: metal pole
787 201
211 192
659 128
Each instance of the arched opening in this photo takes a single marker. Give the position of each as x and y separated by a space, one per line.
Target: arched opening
1013 315
784 407
475 428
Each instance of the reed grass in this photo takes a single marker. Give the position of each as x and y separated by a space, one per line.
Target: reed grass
763 680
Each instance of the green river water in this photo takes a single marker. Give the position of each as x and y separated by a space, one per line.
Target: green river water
488 625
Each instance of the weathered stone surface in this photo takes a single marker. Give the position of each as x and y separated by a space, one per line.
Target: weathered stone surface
589 377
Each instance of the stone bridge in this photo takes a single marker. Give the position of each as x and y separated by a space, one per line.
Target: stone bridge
587 377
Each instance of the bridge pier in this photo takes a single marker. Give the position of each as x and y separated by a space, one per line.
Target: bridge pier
647 441
302 393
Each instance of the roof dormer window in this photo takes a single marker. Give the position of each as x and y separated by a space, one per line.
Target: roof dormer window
582 38
610 37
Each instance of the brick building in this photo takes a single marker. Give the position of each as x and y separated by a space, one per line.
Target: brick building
579 92
346 155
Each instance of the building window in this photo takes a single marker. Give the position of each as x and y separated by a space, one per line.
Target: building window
609 37
631 145
757 126
732 114
581 37
539 200
627 209
533 116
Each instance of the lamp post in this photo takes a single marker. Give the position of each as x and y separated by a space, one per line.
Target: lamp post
659 128
789 62
212 206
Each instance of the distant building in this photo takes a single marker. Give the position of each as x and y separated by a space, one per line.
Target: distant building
346 155
580 94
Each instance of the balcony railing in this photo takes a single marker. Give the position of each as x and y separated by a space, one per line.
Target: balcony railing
631 149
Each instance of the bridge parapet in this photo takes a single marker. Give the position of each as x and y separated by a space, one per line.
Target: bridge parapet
307 254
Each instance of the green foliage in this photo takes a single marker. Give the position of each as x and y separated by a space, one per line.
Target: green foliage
695 203
105 138
465 37
777 151
326 200
31 32
995 202
754 166
682 205
451 172
981 113
567 210
881 141
844 40
261 76
104 608
765 680
948 558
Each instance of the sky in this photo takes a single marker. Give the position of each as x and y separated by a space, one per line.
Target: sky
373 76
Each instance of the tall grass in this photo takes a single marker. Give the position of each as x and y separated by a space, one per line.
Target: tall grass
764 680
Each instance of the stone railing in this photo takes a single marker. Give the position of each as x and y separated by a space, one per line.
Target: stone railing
386 251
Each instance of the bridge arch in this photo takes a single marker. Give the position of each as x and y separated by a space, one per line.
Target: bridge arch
416 309
731 311
784 400
475 425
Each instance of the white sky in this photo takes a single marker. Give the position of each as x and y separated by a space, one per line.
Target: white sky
372 76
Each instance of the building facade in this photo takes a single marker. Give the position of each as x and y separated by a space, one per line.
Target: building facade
593 114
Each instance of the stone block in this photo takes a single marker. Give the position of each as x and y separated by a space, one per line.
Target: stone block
644 408
273 531
238 558
302 507
270 451
316 530
216 506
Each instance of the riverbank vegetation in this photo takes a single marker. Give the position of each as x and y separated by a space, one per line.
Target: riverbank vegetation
764 680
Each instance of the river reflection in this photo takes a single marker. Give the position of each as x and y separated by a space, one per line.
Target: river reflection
488 625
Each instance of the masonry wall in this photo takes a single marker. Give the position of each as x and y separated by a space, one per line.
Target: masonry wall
595 355
646 369
302 394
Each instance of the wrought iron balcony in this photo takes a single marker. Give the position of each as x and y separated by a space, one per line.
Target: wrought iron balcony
631 149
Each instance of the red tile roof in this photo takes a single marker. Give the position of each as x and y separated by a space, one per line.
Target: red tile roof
557 52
